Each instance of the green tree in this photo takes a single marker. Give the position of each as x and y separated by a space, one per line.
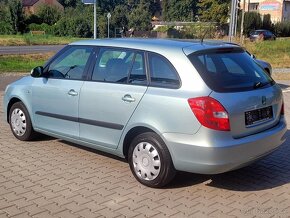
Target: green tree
76 22
165 10
120 16
109 5
48 14
5 20
17 16
70 3
214 10
140 18
252 22
102 26
267 24
151 5
176 10
282 29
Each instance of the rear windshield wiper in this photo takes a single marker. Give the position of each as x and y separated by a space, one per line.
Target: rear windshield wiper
258 85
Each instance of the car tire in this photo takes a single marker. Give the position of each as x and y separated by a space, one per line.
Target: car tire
150 160
20 122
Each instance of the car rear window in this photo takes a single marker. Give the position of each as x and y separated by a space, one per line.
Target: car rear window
229 70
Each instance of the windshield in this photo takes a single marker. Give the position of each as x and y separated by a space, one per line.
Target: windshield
256 32
229 70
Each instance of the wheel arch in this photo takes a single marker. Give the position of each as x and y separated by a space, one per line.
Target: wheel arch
131 134
11 102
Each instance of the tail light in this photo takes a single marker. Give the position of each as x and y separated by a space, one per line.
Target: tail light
282 109
210 113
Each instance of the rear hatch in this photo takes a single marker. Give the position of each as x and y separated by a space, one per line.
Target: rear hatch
251 98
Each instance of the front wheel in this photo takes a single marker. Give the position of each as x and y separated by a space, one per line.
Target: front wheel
150 160
20 122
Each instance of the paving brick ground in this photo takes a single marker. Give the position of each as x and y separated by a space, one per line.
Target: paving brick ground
54 178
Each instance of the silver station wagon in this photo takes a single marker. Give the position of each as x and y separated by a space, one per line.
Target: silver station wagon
164 105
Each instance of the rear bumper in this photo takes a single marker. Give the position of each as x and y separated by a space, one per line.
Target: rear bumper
217 152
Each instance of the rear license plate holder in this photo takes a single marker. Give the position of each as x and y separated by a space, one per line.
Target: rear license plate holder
258 116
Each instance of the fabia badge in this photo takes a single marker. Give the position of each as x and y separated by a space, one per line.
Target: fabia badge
264 100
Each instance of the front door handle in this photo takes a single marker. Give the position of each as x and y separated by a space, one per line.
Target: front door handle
72 92
128 98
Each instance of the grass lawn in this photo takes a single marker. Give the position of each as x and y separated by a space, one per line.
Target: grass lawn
22 63
275 52
28 39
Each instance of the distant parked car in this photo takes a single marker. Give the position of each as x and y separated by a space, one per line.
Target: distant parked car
164 105
264 64
262 35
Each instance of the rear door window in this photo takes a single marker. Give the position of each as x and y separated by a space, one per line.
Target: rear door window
229 70
120 66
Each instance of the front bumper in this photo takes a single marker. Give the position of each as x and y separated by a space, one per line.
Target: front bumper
213 152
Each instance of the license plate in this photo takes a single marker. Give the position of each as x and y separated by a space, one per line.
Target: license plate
258 116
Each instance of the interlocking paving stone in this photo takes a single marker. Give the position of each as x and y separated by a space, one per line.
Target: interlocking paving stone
53 178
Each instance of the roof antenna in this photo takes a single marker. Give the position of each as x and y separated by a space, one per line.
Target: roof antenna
206 32
204 35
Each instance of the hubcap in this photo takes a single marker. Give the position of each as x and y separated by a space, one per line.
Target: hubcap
146 161
18 122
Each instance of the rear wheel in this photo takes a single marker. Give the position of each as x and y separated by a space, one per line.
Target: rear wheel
150 160
20 122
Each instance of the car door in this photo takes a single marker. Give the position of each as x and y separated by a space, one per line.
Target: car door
56 96
107 102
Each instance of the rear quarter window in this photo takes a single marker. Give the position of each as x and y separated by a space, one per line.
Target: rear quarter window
162 72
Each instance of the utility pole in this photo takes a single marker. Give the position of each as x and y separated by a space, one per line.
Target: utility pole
233 20
242 22
95 19
109 17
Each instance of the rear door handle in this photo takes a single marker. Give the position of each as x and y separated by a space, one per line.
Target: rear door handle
128 98
72 92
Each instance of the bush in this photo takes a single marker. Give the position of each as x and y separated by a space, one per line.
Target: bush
49 14
5 20
41 27
267 24
282 29
5 28
252 22
77 27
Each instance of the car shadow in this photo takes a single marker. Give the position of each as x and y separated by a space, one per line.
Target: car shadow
93 151
41 137
267 173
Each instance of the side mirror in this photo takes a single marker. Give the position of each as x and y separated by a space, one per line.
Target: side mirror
253 56
37 72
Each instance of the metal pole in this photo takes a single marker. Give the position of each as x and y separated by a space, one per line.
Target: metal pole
95 19
236 18
108 27
109 17
242 21
232 20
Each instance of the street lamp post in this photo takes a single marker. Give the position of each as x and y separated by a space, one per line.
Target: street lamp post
109 17
95 19
93 2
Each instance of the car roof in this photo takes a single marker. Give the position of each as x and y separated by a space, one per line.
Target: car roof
157 45
260 30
